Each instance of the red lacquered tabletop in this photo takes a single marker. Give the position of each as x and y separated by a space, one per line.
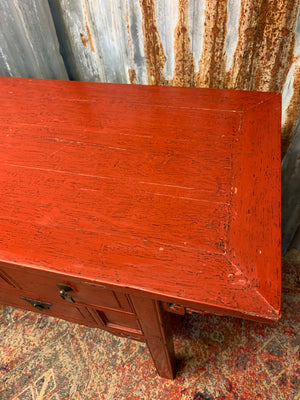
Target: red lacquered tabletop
173 192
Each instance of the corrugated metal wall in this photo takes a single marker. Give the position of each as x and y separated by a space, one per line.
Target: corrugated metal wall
236 44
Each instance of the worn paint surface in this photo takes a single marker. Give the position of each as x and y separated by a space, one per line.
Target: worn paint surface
161 190
235 44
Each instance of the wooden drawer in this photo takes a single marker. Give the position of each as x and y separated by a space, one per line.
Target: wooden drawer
117 320
5 281
45 284
92 304
74 313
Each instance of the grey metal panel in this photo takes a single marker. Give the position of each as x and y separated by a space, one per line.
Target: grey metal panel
167 18
82 59
109 23
136 42
291 161
28 41
291 192
296 241
101 40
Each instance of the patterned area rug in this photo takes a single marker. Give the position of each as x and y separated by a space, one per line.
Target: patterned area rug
42 358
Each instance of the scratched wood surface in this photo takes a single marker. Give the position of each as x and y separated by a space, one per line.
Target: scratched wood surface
155 189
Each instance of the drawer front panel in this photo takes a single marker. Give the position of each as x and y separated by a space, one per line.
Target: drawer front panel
68 298
5 280
118 320
45 283
93 294
70 312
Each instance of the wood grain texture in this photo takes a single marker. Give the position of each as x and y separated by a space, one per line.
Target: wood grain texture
145 188
156 327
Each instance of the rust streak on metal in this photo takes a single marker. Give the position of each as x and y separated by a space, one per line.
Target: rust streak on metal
212 64
184 60
241 74
89 38
292 114
154 52
132 75
275 44
264 52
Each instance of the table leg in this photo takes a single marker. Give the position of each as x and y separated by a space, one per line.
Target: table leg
156 327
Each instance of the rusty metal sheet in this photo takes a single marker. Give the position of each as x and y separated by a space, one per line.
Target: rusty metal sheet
28 41
291 92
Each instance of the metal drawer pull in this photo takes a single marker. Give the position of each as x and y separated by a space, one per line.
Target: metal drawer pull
39 305
176 308
63 289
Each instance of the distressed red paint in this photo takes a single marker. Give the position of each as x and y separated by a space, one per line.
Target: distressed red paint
154 194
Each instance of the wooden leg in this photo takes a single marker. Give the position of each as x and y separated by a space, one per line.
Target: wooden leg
156 327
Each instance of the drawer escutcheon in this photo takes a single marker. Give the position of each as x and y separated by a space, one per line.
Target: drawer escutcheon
63 289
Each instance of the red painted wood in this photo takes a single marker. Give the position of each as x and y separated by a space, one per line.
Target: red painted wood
255 250
74 313
116 213
150 165
156 327
172 192
87 92
45 284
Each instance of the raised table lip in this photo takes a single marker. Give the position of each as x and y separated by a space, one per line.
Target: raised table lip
262 312
268 99
238 101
